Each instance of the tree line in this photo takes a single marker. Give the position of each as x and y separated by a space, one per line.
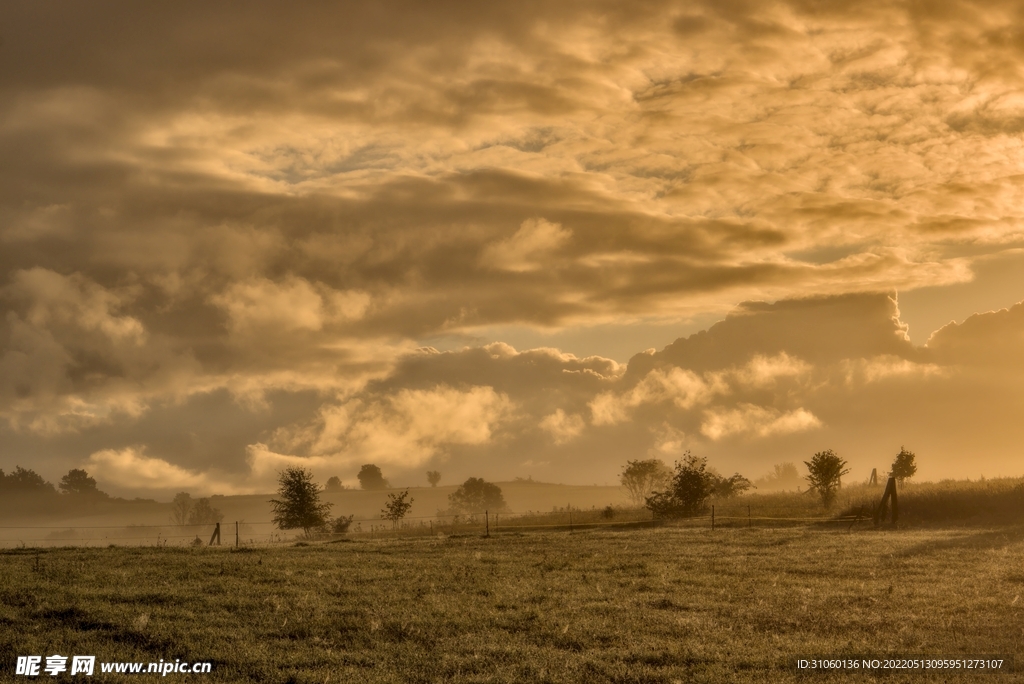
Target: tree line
685 490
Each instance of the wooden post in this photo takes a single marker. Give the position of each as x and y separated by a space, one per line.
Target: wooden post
215 535
487 523
431 528
889 493
570 520
712 516
748 515
895 503
874 478
236 534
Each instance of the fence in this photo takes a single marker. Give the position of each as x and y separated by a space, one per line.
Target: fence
243 533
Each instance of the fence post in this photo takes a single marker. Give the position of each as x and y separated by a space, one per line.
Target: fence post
236 534
712 516
570 520
748 515
215 535
487 524
889 493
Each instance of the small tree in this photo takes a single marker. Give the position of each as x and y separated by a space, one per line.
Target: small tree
825 475
371 478
476 495
642 478
396 508
903 468
689 489
299 505
180 507
203 513
433 477
333 484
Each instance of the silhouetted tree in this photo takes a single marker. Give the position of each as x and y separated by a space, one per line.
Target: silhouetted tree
825 475
688 491
299 505
333 484
371 478
642 478
903 468
783 476
77 482
726 487
433 477
203 513
181 505
23 481
476 495
396 508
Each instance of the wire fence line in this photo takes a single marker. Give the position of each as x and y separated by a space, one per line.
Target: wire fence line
245 533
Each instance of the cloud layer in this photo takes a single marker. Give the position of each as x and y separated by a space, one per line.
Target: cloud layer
264 212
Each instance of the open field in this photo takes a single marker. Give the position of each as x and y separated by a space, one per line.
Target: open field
659 605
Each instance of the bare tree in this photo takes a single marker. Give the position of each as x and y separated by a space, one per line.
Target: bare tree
203 513
643 478
181 506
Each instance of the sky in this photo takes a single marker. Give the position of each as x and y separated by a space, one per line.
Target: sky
508 239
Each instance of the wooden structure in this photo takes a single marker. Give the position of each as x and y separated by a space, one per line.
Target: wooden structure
889 501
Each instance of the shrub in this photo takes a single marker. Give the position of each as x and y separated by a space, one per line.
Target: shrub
689 489
433 477
727 487
342 523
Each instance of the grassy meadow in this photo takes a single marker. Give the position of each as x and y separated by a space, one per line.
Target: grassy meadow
653 605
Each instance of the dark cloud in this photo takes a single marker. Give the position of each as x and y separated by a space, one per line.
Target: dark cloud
246 201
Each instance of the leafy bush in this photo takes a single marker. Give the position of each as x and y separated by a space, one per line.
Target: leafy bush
342 523
689 490
728 487
825 475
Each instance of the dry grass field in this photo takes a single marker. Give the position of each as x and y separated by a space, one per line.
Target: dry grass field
657 605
